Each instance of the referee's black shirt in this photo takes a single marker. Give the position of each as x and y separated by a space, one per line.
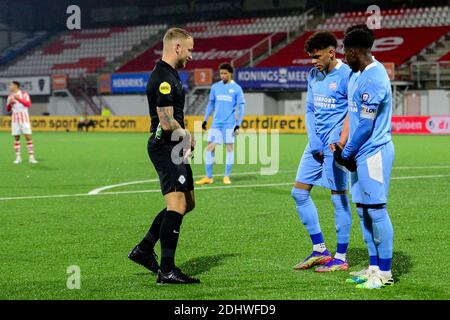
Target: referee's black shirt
164 89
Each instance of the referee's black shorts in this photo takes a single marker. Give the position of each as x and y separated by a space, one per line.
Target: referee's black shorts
172 177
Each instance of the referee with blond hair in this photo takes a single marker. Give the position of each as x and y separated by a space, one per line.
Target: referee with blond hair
169 146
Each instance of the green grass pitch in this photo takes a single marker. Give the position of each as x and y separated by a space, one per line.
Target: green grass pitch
241 242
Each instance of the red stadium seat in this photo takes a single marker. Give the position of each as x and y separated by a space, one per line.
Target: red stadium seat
209 52
445 57
392 45
82 51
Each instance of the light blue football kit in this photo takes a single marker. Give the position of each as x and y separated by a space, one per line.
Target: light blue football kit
370 143
224 100
327 104
326 110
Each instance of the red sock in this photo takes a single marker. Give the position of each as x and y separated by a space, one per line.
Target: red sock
17 148
30 147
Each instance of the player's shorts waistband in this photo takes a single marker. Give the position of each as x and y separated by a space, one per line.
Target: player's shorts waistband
370 206
223 126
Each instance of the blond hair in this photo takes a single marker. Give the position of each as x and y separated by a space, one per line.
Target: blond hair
176 33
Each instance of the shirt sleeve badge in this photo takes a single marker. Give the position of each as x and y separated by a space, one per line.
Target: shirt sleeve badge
365 97
165 88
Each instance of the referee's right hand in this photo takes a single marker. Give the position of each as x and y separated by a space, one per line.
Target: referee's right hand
188 145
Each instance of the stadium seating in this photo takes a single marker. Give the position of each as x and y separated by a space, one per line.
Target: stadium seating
232 27
445 57
208 52
391 45
22 46
80 52
392 18
220 41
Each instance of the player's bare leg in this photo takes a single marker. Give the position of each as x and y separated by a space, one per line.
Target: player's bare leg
181 202
209 159
229 162
17 150
308 214
30 148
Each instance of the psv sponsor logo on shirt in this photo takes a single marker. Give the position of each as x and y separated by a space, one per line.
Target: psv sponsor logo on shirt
224 97
326 102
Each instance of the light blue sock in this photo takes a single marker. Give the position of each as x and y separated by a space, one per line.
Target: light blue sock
209 161
383 235
366 228
342 218
229 163
306 210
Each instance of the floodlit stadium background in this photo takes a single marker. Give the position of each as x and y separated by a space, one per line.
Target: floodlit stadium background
240 248
107 62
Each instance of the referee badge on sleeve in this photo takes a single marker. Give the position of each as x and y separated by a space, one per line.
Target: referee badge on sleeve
165 88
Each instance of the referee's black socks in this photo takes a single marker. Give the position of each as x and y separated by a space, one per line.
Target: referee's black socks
148 243
169 233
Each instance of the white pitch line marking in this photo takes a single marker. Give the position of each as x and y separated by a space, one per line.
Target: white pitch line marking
209 188
198 188
99 190
420 177
430 167
50 196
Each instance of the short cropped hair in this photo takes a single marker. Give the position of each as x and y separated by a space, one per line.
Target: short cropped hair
176 33
320 40
226 66
17 83
356 26
359 37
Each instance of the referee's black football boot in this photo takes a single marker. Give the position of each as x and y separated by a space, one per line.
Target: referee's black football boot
146 259
176 276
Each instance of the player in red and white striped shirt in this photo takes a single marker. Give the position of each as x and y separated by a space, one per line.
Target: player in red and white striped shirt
18 103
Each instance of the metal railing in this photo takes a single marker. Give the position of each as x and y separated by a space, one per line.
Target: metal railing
84 89
66 94
197 99
427 71
267 44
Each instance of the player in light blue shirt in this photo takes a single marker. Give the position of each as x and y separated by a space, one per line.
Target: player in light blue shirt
326 110
225 97
370 148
